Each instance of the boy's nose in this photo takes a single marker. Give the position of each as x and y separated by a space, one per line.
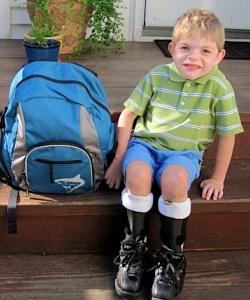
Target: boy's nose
193 55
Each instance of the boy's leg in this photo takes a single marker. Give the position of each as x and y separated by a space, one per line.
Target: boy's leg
174 207
138 200
170 273
133 251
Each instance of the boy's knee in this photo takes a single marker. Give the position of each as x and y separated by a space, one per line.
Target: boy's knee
138 178
174 183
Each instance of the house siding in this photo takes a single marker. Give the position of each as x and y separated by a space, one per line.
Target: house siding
15 20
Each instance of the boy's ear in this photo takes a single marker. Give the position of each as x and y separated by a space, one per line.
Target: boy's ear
171 48
221 55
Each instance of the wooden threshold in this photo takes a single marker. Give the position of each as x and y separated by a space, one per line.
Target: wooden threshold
210 275
166 32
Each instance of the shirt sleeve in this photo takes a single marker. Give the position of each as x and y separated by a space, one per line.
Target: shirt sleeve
226 112
140 97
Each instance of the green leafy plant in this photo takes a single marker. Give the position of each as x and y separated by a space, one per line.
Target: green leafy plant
42 24
104 22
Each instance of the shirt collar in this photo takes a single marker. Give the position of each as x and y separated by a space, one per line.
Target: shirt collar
175 75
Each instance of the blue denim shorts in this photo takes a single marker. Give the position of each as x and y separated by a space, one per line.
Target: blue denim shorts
159 160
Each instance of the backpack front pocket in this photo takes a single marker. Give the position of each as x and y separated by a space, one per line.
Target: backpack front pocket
59 169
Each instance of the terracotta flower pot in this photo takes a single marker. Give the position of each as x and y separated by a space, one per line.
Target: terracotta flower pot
71 18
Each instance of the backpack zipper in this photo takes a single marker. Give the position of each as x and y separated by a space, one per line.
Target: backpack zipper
97 101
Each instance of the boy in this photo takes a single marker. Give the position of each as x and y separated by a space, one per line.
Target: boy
178 109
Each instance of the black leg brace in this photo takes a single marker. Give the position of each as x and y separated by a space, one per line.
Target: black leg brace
173 232
137 223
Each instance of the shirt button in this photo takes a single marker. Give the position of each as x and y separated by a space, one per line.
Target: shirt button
182 102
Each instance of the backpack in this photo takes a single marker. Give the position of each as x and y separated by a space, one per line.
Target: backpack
56 131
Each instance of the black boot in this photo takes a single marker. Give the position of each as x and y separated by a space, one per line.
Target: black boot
171 268
131 260
169 275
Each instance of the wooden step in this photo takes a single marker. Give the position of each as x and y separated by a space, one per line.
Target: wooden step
85 223
242 142
94 222
210 275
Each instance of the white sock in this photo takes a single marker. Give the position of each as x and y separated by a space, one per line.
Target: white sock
175 210
141 204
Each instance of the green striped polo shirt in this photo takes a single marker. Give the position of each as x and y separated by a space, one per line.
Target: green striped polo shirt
179 114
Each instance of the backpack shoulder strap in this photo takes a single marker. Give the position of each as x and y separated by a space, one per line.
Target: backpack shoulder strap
11 211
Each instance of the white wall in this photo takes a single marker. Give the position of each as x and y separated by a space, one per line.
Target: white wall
127 8
14 20
5 18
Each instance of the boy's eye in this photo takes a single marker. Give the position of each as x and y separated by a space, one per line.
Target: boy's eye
206 51
184 47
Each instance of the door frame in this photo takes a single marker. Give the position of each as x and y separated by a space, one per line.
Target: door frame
147 34
150 33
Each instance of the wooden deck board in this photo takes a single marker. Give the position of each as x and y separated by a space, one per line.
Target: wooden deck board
120 73
210 275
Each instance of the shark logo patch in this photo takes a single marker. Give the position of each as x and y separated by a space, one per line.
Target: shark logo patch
71 184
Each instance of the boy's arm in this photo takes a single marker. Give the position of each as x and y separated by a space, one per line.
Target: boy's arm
113 175
212 188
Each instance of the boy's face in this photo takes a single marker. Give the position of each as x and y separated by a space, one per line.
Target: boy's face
195 56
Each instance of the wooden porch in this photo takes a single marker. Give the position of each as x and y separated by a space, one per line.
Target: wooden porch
74 230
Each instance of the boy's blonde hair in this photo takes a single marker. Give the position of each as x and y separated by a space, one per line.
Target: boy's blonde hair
199 21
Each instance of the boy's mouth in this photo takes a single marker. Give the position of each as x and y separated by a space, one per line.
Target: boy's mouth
191 67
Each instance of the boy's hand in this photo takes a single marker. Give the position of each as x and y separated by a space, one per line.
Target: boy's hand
113 175
212 189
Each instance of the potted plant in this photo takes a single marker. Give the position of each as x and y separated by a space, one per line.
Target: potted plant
43 41
101 17
105 23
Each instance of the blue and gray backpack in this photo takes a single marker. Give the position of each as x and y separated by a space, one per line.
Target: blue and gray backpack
56 131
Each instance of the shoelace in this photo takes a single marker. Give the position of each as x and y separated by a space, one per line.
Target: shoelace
168 274
130 256
165 269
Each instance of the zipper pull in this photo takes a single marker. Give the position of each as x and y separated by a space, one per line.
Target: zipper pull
26 186
27 191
